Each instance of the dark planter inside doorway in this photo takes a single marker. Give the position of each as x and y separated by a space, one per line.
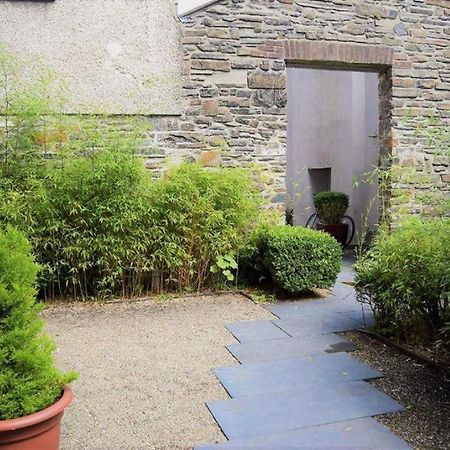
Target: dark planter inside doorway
339 231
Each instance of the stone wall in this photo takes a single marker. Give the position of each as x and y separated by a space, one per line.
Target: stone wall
234 60
232 106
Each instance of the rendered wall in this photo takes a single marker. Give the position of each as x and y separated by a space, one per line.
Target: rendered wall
332 123
119 56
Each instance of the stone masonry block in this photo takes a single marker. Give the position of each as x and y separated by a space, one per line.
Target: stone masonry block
211 64
266 80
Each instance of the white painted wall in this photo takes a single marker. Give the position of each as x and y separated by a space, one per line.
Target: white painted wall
332 121
119 56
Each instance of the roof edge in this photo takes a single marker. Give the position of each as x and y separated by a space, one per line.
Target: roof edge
186 7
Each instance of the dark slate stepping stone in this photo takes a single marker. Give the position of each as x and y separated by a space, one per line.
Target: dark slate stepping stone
255 330
293 374
363 318
317 324
314 307
342 290
264 414
277 349
355 434
346 274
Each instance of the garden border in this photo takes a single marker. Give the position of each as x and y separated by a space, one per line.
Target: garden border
418 357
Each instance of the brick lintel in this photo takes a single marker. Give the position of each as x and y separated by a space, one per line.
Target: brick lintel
328 53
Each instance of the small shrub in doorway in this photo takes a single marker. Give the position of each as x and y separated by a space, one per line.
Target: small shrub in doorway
331 206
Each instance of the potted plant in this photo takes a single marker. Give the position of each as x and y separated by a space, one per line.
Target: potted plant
331 208
33 392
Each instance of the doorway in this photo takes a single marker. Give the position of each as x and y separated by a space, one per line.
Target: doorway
333 139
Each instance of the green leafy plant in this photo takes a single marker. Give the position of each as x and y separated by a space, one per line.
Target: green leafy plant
331 206
260 296
101 226
205 217
405 278
252 269
29 380
26 109
408 185
300 259
434 131
226 264
443 340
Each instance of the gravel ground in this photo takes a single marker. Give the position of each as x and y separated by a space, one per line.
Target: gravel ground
145 369
424 392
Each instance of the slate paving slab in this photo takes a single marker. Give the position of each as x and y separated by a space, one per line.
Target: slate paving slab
318 324
347 274
276 349
293 374
271 413
363 318
320 306
341 291
354 434
255 330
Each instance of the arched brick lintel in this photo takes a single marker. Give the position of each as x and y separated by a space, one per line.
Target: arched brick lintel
332 53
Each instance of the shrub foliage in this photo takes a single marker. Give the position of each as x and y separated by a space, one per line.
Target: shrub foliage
299 259
86 223
202 220
331 206
405 278
101 226
29 381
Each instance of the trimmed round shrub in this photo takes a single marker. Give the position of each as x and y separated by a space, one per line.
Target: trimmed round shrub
331 206
300 259
405 278
29 380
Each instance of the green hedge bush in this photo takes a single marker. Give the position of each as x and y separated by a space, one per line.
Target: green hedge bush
297 259
405 278
101 226
29 380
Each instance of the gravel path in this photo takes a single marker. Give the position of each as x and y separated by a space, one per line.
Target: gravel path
145 369
424 392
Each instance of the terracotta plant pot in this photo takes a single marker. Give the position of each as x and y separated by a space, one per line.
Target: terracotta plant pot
339 231
38 431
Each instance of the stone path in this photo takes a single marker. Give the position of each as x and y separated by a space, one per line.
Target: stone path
297 386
